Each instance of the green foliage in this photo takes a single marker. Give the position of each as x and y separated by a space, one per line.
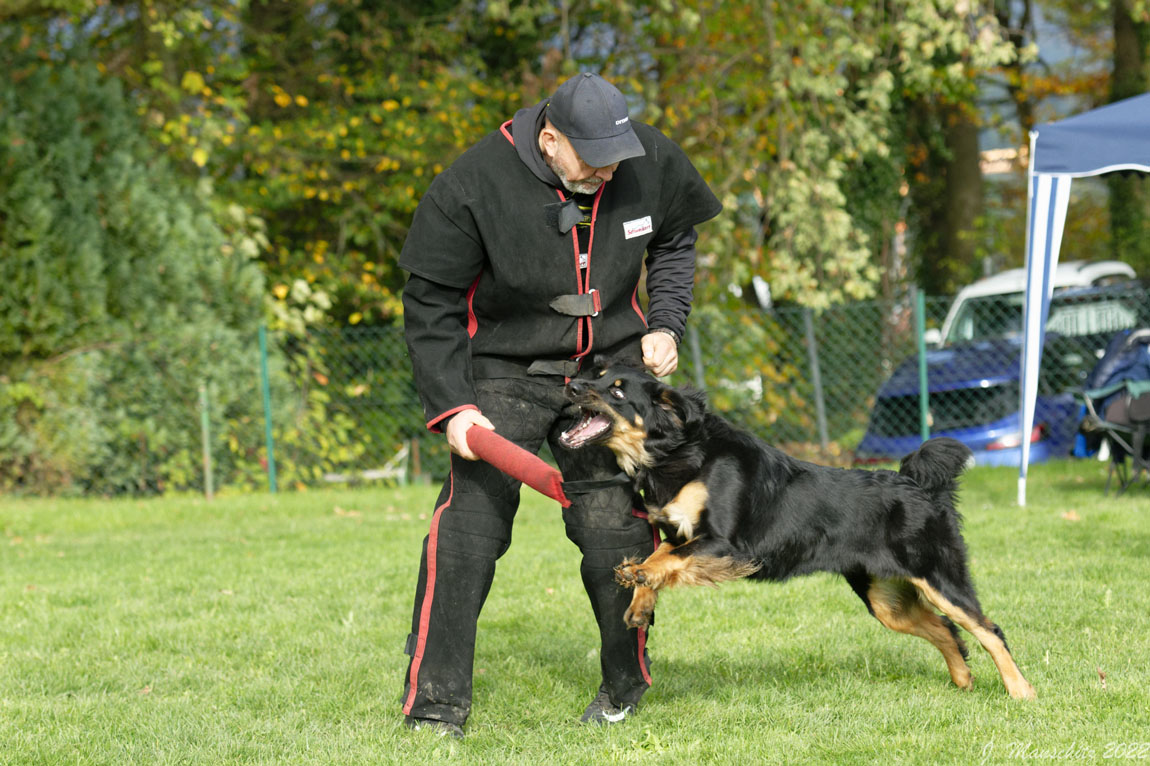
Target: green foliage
311 129
749 374
24 8
788 109
311 436
119 294
329 120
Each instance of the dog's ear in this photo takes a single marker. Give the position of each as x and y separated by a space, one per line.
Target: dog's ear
686 406
619 359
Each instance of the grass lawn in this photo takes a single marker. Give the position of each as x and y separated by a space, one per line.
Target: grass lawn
269 629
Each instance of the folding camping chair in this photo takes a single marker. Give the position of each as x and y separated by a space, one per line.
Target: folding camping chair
1124 425
1117 401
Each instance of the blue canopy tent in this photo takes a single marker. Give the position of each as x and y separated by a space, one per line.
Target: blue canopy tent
1108 139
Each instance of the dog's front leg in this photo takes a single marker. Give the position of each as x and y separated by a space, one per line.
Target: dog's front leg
650 572
642 608
701 561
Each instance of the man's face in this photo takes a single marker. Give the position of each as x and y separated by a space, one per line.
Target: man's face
577 176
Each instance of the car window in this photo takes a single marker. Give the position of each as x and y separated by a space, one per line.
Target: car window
1091 316
1072 314
986 317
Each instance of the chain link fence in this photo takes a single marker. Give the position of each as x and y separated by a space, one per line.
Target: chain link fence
338 406
834 385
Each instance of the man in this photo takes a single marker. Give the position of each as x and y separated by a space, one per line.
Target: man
525 259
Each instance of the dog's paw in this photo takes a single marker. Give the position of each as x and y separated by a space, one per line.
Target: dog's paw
625 573
630 574
1019 691
642 608
636 619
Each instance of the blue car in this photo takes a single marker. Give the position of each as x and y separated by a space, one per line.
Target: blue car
973 397
973 377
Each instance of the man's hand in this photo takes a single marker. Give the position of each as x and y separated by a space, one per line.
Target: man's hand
457 428
660 354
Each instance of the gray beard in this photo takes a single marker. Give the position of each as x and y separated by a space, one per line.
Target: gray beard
575 187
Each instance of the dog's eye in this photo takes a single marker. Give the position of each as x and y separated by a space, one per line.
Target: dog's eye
618 393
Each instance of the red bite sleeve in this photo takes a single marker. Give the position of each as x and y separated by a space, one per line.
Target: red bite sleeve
517 463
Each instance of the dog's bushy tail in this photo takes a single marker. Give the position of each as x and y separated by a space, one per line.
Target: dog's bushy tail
937 464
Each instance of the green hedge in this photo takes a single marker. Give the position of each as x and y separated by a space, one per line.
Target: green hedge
120 295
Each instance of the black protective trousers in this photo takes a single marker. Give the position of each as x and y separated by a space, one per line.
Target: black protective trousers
471 529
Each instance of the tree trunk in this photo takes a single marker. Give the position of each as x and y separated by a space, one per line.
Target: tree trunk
963 194
1020 31
947 199
1129 233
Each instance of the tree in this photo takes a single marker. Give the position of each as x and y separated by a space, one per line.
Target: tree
1129 201
1111 42
327 119
119 292
785 105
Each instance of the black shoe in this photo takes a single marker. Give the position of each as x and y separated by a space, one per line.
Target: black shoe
603 711
442 728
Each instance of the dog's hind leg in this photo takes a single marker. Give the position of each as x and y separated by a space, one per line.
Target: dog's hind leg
987 633
898 606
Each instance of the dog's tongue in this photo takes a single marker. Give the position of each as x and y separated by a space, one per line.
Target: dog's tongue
590 425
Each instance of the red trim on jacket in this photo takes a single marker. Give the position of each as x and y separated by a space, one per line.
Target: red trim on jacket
635 304
472 320
587 276
578 278
507 133
428 596
433 424
583 279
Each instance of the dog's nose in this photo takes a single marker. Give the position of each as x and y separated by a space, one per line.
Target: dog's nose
575 387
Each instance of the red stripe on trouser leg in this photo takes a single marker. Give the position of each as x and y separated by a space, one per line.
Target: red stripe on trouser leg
643 655
428 595
657 539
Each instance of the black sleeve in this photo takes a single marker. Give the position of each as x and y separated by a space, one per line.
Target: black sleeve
435 326
443 243
671 281
688 201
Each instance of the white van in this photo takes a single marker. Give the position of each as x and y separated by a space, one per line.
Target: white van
979 309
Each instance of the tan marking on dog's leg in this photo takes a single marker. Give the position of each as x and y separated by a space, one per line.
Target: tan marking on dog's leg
685 509
896 604
627 573
642 608
664 570
1017 686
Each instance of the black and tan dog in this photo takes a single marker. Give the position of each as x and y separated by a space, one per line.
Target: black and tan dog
730 506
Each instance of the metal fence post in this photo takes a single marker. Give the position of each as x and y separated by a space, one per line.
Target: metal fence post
816 378
923 388
267 395
697 353
205 435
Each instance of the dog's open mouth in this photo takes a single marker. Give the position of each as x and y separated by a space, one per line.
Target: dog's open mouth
591 426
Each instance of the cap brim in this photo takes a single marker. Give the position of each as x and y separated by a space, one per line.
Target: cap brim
601 152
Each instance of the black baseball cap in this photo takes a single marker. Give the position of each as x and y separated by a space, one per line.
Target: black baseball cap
592 113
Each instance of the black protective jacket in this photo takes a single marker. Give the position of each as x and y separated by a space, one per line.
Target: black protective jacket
496 289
